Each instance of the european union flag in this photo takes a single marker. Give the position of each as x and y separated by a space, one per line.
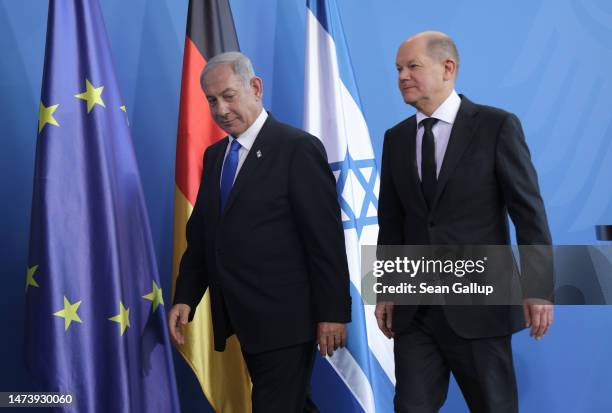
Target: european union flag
95 319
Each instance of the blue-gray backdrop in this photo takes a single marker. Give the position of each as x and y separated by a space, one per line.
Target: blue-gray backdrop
546 60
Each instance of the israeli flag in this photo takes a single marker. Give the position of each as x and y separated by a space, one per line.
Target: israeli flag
332 111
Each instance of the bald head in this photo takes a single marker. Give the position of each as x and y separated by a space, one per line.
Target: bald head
427 66
439 46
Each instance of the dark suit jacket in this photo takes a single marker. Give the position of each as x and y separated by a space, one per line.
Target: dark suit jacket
274 260
486 174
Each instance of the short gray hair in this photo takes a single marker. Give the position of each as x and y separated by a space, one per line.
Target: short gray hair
441 47
240 64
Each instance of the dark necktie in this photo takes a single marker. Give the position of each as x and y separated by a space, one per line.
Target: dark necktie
229 172
428 161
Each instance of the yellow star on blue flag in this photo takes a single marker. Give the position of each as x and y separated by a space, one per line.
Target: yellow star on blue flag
93 95
30 281
155 296
69 313
123 318
45 115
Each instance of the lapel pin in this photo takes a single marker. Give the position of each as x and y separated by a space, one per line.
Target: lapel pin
259 154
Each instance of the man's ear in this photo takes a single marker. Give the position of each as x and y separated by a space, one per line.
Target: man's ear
450 69
257 87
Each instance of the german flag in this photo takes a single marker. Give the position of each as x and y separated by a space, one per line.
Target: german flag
210 31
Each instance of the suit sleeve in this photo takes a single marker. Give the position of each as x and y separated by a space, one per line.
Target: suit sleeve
314 202
390 215
519 183
192 280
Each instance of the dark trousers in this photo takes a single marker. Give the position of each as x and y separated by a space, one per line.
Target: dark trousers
281 379
429 351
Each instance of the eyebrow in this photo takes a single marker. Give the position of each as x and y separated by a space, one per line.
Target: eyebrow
224 91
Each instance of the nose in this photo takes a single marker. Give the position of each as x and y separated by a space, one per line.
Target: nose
222 108
404 74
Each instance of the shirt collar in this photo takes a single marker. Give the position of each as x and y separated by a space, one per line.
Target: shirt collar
446 112
247 137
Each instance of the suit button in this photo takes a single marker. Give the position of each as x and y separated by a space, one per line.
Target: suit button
431 224
219 252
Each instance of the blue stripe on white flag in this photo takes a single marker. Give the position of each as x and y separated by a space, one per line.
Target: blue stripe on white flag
328 16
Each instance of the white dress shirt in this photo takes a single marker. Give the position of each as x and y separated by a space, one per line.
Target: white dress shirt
446 114
246 140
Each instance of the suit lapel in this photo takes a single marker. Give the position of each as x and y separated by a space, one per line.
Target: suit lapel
461 135
410 163
216 179
252 161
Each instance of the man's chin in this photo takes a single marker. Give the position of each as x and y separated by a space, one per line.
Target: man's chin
230 130
408 98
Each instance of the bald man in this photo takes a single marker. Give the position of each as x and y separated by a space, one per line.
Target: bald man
451 174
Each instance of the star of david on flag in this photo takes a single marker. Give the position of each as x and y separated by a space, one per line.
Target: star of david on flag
357 176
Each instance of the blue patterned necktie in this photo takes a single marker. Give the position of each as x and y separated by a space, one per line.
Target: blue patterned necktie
229 172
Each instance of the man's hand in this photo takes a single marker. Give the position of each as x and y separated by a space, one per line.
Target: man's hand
384 317
330 336
177 318
539 316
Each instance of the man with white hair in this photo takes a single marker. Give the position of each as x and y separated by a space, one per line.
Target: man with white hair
265 238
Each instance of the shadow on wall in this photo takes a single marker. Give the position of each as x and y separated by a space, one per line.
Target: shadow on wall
22 39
